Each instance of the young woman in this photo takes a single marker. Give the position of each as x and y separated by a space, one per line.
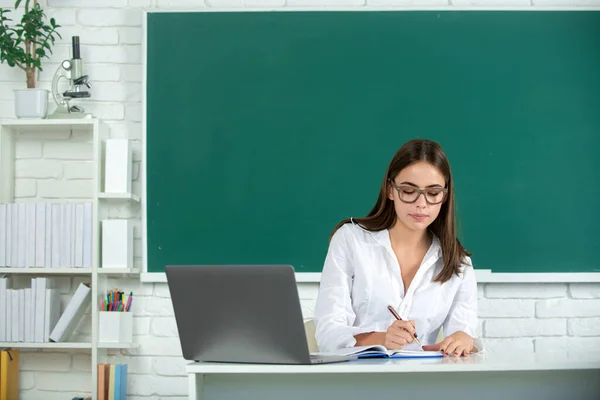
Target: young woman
403 254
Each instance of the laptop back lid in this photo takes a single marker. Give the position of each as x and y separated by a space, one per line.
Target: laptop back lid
238 313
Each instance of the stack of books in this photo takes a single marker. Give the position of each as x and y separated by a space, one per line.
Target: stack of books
46 235
34 314
112 381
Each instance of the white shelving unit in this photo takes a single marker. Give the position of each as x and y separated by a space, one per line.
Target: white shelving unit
10 132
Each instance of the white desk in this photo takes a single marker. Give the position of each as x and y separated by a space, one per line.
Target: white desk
485 376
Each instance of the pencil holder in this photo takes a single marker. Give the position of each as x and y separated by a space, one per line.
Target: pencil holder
115 327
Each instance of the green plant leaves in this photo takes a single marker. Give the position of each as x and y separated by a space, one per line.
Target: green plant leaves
26 43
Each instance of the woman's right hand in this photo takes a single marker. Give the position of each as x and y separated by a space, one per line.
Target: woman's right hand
399 334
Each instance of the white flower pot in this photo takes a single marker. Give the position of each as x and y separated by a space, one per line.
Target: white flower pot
31 103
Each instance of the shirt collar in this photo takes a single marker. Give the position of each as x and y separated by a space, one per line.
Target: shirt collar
383 238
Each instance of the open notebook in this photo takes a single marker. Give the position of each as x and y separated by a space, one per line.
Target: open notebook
381 351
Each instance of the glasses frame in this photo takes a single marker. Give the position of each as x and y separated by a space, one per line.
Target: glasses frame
420 192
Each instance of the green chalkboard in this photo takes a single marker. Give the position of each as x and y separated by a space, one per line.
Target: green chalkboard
264 129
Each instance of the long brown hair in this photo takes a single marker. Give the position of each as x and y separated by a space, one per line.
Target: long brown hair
383 214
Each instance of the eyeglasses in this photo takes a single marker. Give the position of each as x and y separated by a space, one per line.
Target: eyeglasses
410 194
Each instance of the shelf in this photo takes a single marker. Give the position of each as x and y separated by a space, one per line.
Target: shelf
46 271
119 196
37 122
68 271
118 271
46 345
105 345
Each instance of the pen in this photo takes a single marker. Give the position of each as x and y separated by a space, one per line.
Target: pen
395 314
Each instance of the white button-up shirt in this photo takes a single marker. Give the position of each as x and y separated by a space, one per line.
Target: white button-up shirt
361 277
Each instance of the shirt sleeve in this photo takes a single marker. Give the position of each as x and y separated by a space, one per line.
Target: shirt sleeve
334 315
463 312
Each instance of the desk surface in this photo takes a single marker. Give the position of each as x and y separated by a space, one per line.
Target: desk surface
507 361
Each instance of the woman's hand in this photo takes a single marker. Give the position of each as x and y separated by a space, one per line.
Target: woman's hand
399 334
394 338
457 344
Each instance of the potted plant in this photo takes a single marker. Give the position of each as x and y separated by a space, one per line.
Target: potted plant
24 45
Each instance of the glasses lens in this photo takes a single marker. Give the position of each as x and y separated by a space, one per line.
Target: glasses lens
435 196
407 194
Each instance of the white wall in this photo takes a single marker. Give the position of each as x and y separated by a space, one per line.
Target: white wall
542 317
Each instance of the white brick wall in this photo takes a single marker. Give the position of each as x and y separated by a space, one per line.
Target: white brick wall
584 291
544 317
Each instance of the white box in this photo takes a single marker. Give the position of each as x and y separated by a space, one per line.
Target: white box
115 327
117 243
118 166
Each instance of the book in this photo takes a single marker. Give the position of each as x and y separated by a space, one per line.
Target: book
382 352
103 381
9 374
68 321
111 382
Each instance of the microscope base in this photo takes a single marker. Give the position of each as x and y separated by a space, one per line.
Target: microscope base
62 112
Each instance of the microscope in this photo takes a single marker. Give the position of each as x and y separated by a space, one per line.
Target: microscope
72 70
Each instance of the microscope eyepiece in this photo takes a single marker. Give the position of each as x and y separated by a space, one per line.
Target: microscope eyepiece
76 54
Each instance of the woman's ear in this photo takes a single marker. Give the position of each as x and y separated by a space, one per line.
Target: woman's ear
390 191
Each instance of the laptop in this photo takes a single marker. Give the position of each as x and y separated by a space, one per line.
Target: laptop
240 314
